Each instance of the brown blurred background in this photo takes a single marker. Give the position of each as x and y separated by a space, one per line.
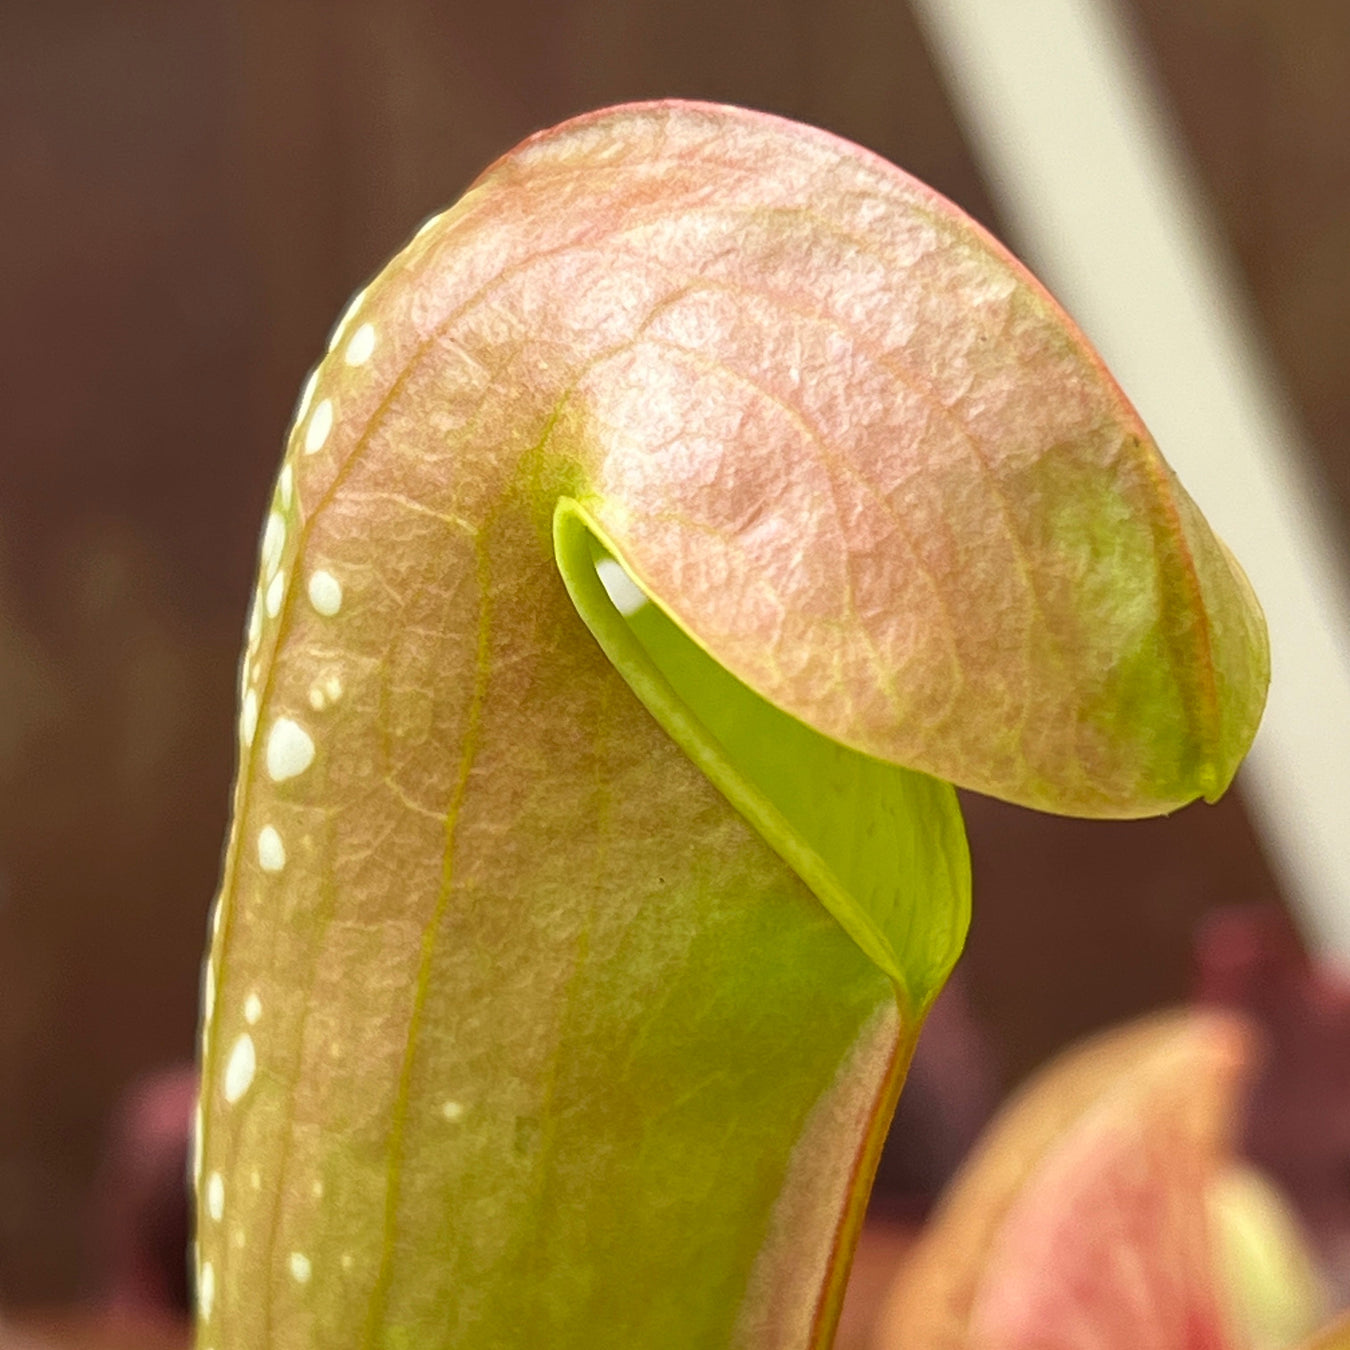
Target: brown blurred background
189 190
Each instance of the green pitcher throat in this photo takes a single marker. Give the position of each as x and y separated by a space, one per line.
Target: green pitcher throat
669 526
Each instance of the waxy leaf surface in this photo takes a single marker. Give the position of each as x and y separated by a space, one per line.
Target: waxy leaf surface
666 520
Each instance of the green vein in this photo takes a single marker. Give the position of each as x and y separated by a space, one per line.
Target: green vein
430 935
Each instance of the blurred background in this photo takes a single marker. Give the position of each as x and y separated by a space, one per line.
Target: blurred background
190 192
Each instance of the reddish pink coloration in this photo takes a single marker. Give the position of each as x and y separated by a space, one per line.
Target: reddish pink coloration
1298 1125
142 1220
1112 1230
842 438
851 444
1081 1222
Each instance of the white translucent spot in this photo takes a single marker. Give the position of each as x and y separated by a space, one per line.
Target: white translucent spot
271 850
255 1179
274 542
252 1009
290 750
452 1111
361 345
286 484
215 1196
276 592
348 315
347 1261
206 1291
217 911
239 1070
317 1190
328 688
254 630
300 1267
319 427
325 593
620 587
238 1238
248 716
307 394
208 990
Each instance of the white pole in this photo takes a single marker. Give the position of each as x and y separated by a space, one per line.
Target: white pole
1094 188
